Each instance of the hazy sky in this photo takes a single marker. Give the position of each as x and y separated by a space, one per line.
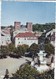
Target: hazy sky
35 12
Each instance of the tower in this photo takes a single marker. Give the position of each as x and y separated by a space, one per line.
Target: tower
17 25
29 26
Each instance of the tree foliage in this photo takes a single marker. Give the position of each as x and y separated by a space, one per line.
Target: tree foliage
42 27
27 72
34 48
11 47
49 48
21 49
4 50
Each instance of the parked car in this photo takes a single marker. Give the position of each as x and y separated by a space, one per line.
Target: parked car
28 54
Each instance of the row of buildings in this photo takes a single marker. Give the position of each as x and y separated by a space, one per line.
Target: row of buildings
21 34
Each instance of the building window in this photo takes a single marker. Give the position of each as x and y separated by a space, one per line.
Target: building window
18 38
25 38
19 42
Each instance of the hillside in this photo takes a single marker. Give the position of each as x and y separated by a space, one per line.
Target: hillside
42 27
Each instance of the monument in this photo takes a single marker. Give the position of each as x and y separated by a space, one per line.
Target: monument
41 54
41 65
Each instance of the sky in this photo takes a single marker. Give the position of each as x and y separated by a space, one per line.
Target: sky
35 12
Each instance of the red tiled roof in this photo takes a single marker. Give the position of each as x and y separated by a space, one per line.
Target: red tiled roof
26 34
6 31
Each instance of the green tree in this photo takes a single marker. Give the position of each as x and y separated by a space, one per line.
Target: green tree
26 72
22 49
4 50
49 48
11 47
17 52
34 48
42 27
26 47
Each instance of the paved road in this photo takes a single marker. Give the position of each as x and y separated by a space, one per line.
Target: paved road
12 64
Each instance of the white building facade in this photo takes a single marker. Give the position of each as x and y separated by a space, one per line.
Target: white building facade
25 38
5 39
